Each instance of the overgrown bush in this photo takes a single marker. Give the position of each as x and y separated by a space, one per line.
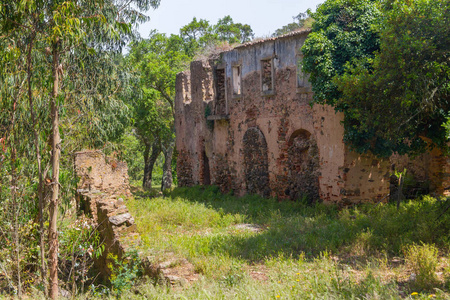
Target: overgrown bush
80 243
423 260
124 272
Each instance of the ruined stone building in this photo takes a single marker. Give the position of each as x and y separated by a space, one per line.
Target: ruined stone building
244 122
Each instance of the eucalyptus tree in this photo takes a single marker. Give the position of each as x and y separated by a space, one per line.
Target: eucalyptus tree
58 38
11 91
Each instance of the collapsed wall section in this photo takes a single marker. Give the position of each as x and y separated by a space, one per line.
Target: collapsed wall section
194 92
426 173
103 181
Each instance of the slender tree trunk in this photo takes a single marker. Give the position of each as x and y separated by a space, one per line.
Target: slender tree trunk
146 157
13 141
56 152
167 179
149 163
400 191
16 223
39 164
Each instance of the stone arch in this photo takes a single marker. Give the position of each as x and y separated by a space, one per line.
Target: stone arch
303 166
256 162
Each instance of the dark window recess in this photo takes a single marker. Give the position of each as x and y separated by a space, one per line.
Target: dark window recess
266 75
206 171
220 92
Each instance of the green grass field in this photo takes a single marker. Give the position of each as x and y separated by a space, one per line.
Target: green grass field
255 248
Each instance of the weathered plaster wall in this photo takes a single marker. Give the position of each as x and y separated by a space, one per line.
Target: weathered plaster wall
366 178
98 172
329 132
269 140
193 93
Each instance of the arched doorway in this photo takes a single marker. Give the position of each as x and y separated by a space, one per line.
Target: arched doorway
256 163
303 164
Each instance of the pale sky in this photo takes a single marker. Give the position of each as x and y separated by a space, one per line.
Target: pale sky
264 16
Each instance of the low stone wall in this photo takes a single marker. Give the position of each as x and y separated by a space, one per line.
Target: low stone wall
102 186
100 196
100 173
115 225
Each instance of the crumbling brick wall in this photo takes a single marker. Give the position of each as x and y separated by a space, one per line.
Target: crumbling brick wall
193 135
220 91
221 173
184 168
98 172
267 139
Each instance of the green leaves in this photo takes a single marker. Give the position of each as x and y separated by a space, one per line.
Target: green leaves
385 65
405 96
155 62
300 21
227 30
342 32
199 33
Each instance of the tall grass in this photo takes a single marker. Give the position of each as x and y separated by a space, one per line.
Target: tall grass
338 254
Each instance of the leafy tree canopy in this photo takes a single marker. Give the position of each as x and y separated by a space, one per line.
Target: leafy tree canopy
156 61
403 96
343 31
385 65
200 33
61 90
231 32
299 21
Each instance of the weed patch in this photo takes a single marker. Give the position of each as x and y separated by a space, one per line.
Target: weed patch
423 260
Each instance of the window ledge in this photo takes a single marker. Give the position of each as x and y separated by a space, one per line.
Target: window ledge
218 117
304 89
268 93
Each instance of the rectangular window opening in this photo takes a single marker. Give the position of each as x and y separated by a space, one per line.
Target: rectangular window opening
236 80
220 92
301 78
267 75
303 85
